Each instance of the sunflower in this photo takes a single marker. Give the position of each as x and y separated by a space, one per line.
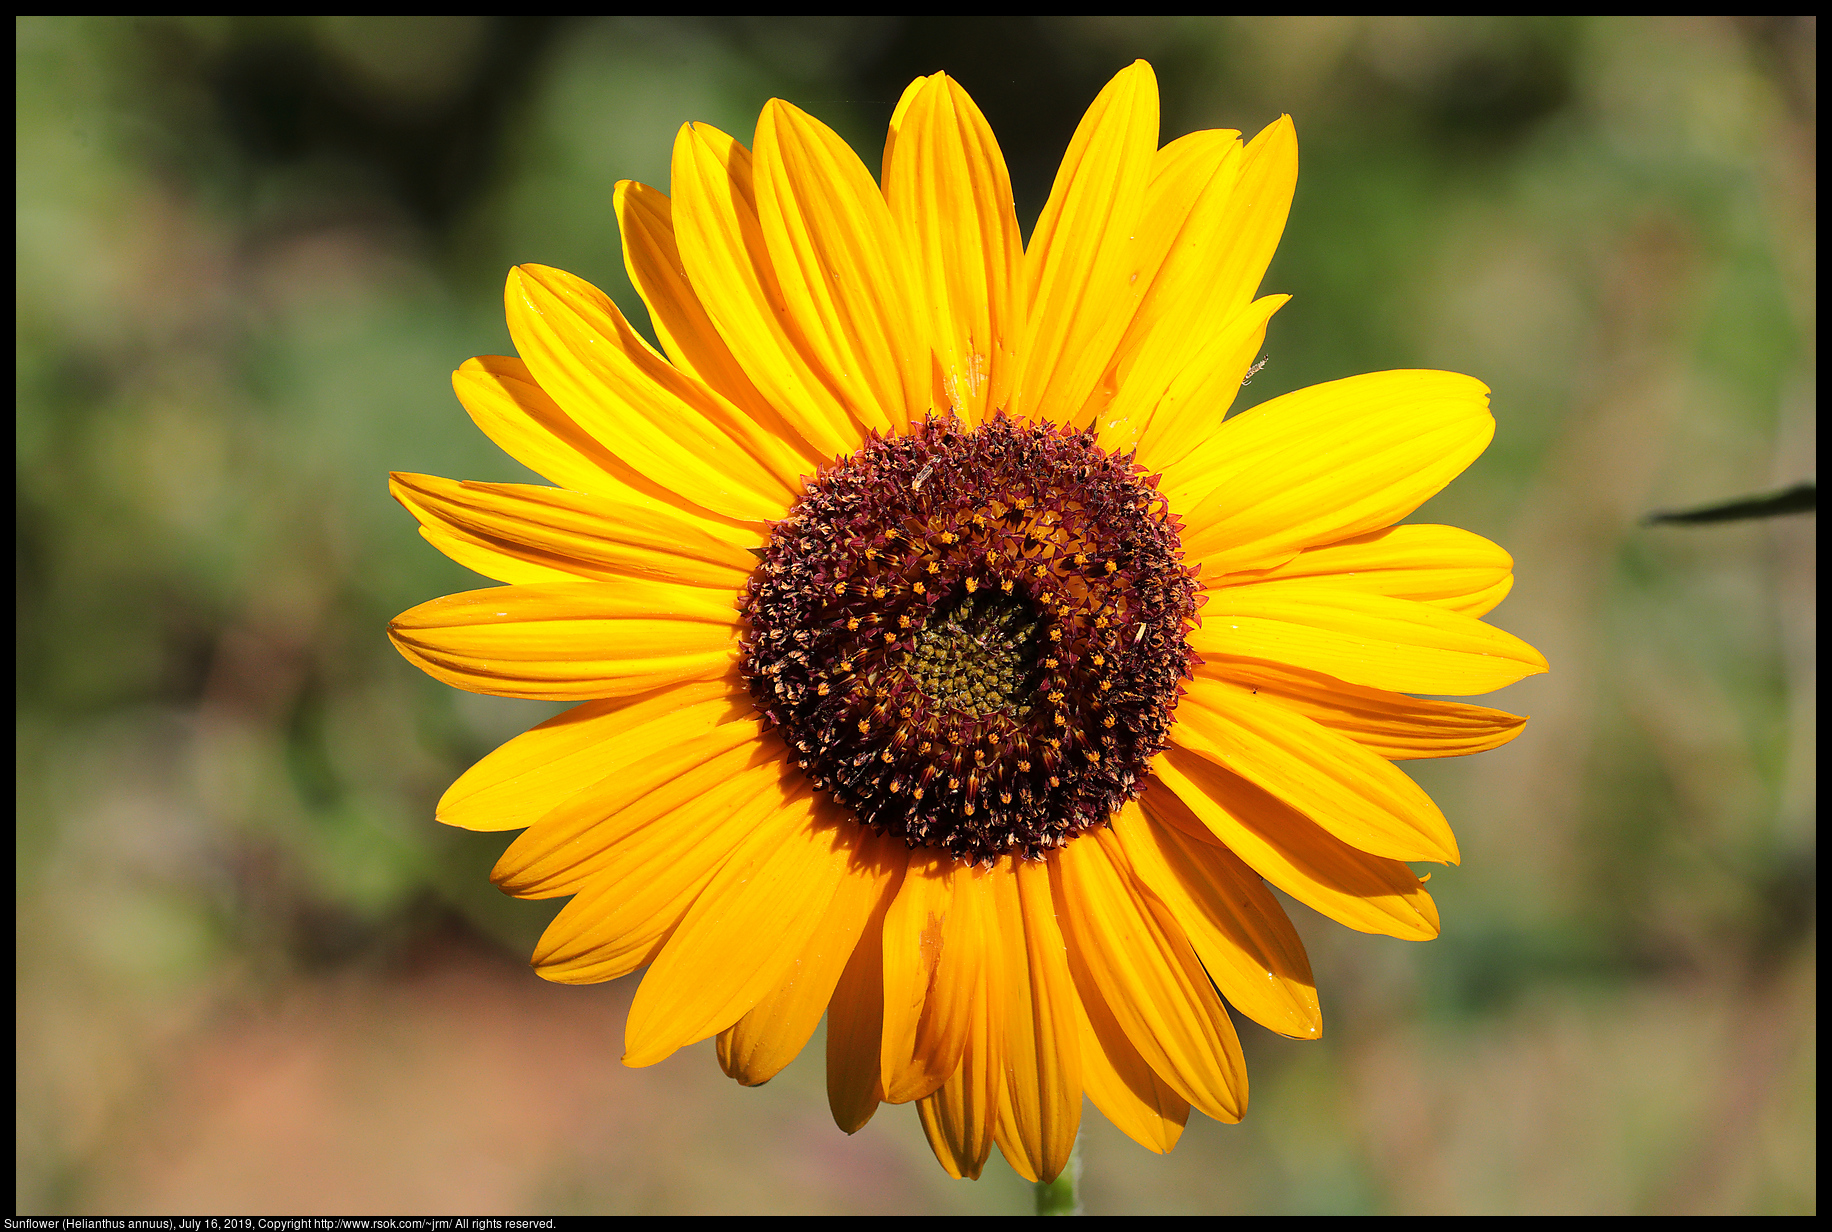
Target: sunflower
946 664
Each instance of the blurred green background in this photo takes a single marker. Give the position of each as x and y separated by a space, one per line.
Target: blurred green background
255 976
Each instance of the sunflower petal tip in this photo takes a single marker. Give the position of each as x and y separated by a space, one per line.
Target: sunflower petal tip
643 1054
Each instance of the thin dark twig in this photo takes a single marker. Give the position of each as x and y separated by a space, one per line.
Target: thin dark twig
1797 499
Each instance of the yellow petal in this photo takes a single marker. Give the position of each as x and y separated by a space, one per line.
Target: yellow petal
757 1047
474 555
1364 892
1180 172
578 534
1400 645
653 787
1258 208
845 277
1212 220
742 935
1185 175
1178 250
1009 1138
1358 797
645 216
1166 408
934 952
1128 1092
722 249
959 1117
1389 725
504 400
571 641
1324 463
855 1027
914 930
1042 1073
1235 925
600 936
1078 266
1127 948
1440 565
898 113
661 420
525 778
948 190
620 920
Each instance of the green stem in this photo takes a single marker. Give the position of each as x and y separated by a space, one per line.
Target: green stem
1062 1196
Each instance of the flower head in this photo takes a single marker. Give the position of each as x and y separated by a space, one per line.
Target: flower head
946 664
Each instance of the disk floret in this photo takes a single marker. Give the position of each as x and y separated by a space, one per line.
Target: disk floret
974 637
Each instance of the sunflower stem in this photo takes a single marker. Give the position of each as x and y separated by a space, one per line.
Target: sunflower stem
1062 1196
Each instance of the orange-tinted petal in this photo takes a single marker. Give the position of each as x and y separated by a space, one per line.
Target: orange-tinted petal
576 534
1078 265
960 1117
653 788
1009 1138
1128 1092
1127 948
738 941
1027 957
620 919
1367 893
1390 725
570 641
947 187
1235 925
1324 463
756 1047
1400 645
855 1027
1357 796
934 952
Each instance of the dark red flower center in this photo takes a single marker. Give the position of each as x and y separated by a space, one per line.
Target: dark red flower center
974 638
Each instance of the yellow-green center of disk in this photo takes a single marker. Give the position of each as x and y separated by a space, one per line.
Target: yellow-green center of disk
979 655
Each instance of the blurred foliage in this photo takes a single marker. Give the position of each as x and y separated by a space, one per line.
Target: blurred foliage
251 250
